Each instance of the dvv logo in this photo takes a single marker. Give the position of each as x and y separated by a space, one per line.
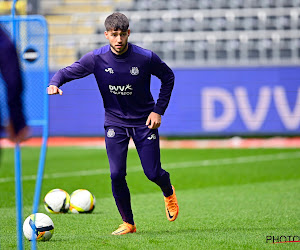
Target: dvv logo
121 89
264 109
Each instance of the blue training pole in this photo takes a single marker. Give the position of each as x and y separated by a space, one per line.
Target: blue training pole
18 167
14 29
43 152
18 191
40 174
38 185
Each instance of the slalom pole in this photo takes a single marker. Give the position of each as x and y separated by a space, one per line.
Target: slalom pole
41 167
38 185
14 28
18 192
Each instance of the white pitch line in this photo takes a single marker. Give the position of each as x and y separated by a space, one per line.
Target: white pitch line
168 166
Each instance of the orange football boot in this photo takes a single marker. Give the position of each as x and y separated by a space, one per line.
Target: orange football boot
172 207
125 228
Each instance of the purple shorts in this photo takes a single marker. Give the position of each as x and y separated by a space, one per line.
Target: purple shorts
147 144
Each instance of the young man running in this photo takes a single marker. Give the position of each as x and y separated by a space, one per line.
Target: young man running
123 73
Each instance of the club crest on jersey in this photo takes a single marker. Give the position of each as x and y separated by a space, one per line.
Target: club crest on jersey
109 70
134 71
111 133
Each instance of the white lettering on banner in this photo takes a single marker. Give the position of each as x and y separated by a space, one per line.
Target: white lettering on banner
253 120
209 97
252 117
290 119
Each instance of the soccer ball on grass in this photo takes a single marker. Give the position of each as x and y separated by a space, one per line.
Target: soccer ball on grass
39 223
82 201
57 201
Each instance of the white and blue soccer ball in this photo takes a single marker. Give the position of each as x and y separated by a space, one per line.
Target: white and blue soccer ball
82 201
57 201
39 225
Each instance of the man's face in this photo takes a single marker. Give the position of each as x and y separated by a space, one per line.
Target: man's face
118 40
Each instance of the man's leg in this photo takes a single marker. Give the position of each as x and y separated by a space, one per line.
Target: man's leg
147 144
116 140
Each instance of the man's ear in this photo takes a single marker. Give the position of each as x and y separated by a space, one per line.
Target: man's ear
106 34
128 31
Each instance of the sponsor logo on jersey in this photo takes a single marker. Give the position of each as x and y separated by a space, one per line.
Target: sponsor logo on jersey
134 71
109 70
120 90
152 137
111 133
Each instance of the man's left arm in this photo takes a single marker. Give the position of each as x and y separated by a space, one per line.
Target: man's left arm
166 75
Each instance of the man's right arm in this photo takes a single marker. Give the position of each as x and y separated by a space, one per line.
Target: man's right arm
79 69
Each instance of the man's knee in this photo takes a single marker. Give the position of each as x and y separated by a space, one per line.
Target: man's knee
117 176
158 177
152 176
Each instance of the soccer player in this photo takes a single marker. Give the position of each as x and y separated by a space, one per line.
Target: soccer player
10 70
123 72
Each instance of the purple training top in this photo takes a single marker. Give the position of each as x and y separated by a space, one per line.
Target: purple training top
10 69
124 82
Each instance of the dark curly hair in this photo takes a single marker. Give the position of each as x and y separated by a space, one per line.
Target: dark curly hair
116 21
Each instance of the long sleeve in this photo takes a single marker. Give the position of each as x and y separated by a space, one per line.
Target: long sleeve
10 69
166 75
79 69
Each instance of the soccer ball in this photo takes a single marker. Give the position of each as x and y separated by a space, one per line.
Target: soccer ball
57 201
82 201
42 226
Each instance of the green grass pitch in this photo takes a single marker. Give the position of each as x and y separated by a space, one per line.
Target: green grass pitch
228 199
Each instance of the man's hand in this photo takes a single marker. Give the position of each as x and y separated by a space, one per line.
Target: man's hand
17 138
53 90
153 121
